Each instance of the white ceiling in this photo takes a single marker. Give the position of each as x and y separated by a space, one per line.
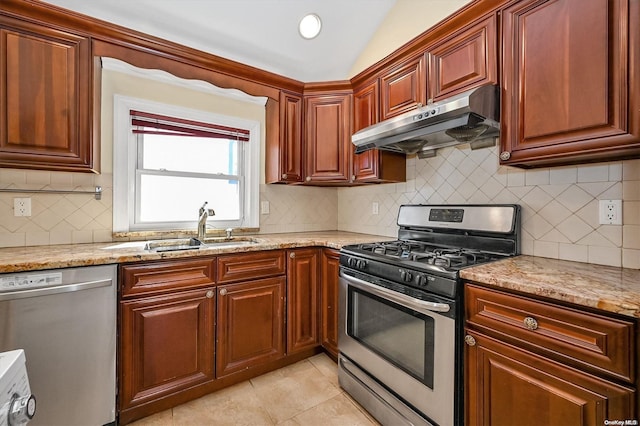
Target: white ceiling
261 33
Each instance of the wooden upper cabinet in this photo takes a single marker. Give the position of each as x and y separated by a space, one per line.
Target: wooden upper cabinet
46 99
403 88
374 165
570 82
466 59
286 155
328 138
365 105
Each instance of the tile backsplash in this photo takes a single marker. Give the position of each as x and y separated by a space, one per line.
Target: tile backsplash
559 205
55 218
80 218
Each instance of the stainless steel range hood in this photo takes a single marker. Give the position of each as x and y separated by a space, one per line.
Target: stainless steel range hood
468 117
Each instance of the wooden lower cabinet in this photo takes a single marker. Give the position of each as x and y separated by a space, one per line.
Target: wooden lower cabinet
329 275
506 386
191 326
250 324
166 345
303 330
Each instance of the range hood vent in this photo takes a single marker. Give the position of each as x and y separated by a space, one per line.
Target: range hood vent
468 117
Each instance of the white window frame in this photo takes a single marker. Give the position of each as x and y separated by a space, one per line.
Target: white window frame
124 166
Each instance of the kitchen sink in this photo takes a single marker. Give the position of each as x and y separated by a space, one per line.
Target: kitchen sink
177 244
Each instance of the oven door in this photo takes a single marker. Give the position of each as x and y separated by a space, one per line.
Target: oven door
406 344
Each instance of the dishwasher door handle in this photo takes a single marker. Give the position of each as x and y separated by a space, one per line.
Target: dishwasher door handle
46 291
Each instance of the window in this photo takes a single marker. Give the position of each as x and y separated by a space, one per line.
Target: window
168 161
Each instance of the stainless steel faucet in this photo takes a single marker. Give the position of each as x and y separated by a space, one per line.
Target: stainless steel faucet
203 214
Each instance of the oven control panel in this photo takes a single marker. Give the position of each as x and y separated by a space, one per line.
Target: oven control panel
430 283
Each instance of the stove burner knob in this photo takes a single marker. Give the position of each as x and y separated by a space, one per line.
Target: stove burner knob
361 264
351 262
422 281
405 275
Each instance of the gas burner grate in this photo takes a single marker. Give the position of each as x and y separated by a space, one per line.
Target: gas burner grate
443 257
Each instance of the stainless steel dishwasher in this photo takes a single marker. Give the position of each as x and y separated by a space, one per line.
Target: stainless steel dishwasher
65 320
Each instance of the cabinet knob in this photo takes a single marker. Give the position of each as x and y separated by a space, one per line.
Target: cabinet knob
469 340
284 176
505 155
223 291
308 179
530 323
292 255
209 294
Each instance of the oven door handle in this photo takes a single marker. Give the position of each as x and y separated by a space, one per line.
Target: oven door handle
394 296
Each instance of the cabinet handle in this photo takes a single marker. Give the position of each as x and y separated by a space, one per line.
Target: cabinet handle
505 155
530 323
469 340
223 291
210 294
308 178
284 176
292 255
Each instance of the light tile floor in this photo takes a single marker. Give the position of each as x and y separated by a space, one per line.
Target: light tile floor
303 394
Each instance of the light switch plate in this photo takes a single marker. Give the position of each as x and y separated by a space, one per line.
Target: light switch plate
264 207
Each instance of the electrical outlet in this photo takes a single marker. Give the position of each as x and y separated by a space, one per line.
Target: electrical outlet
610 212
264 207
375 208
22 206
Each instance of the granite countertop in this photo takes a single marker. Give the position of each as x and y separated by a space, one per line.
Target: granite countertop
16 259
606 288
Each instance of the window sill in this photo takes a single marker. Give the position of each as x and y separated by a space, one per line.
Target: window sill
159 235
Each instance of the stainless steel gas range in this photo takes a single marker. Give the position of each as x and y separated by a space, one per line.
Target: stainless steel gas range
401 310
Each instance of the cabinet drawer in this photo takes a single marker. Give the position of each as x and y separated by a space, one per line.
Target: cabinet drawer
575 337
158 277
248 266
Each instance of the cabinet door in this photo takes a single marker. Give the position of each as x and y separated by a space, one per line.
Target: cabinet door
329 274
402 88
302 300
166 345
465 60
374 165
46 97
570 84
250 324
290 151
508 386
328 138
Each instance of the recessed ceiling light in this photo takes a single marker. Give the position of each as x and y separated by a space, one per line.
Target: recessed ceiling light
310 26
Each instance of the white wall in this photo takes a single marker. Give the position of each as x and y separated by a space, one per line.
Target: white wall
406 20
